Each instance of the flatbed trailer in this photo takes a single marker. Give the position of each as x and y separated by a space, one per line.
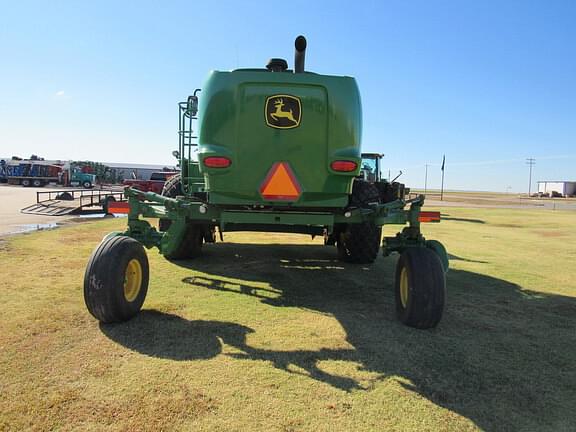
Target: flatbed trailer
72 201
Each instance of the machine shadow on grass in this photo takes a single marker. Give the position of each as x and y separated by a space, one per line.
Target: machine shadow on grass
502 356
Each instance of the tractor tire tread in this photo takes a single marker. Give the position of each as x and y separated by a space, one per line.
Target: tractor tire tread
191 243
363 193
360 243
172 188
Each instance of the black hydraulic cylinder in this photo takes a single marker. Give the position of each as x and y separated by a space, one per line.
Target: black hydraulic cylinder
300 54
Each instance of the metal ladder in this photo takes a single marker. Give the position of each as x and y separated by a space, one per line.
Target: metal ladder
187 140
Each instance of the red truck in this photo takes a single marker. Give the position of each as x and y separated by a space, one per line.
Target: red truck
155 184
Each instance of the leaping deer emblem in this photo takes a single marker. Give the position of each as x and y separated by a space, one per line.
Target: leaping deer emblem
278 114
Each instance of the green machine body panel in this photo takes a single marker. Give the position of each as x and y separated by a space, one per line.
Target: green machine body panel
236 121
248 125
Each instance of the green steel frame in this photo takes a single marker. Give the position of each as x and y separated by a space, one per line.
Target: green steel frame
182 211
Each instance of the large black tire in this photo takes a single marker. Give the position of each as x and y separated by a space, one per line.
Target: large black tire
420 288
37 183
359 243
172 188
191 243
363 193
193 239
116 279
87 184
26 183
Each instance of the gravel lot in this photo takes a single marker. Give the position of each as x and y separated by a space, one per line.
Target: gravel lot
15 198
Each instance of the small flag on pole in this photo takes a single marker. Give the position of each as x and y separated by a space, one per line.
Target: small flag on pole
442 187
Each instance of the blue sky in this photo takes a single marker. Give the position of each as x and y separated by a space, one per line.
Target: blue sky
488 83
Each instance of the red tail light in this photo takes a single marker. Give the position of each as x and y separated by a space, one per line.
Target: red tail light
217 162
343 166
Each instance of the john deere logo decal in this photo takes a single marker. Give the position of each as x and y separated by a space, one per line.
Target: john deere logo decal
283 111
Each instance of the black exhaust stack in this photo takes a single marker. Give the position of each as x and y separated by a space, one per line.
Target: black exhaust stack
300 53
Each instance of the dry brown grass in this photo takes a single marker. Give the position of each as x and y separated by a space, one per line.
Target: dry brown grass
270 332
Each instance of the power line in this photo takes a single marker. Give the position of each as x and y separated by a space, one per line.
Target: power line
531 162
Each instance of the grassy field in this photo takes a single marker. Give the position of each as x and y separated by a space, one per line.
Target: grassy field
270 332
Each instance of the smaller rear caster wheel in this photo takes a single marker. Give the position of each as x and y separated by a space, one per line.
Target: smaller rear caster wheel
420 288
116 279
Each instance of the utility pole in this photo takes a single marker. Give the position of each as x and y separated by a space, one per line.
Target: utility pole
426 180
531 162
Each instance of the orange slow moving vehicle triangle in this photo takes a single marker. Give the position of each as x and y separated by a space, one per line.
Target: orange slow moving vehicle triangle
280 184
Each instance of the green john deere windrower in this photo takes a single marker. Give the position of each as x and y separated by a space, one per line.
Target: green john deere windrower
277 150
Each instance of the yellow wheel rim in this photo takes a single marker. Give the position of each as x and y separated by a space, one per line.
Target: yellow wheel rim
404 291
132 280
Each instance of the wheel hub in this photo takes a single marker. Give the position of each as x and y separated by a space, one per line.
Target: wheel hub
404 287
132 280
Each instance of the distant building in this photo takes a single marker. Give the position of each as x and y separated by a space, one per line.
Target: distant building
564 188
137 171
